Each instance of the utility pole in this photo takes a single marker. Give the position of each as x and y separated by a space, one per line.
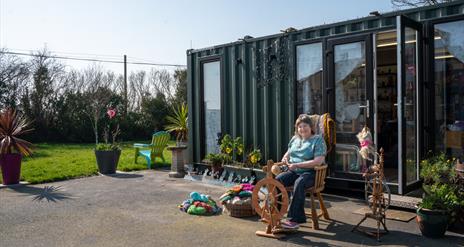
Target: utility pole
125 85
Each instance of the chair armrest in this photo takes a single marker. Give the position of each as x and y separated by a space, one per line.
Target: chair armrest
141 145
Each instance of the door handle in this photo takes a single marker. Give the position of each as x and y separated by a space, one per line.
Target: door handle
366 107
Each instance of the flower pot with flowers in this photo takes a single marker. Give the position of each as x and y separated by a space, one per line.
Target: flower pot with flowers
442 198
12 148
107 154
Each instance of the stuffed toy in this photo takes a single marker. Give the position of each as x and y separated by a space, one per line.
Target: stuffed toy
367 145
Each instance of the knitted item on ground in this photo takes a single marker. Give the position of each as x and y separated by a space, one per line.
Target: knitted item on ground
196 210
247 187
199 204
198 197
236 188
244 194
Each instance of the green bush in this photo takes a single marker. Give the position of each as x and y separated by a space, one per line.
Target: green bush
441 186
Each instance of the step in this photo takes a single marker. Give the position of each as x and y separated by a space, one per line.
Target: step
408 202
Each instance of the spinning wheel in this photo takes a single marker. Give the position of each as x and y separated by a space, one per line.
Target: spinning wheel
376 186
369 193
270 201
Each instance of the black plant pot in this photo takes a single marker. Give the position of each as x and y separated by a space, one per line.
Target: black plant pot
432 223
107 161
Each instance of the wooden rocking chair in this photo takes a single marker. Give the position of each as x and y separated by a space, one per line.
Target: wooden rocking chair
315 191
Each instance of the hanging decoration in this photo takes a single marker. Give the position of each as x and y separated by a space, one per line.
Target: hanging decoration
272 62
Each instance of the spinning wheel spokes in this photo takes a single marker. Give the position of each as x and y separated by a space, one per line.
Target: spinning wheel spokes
270 200
370 196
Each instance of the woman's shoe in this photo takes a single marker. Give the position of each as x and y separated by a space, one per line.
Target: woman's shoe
290 225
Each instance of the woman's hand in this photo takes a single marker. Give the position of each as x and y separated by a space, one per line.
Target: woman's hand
292 167
284 160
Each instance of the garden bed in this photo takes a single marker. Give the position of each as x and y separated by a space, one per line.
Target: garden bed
201 172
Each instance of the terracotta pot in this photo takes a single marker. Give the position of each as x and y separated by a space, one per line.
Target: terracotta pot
432 223
11 168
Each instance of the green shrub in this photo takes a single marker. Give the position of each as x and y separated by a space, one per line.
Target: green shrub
107 147
441 186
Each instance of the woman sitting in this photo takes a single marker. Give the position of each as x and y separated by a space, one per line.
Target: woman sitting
305 151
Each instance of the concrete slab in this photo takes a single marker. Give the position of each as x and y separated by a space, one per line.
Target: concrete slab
140 209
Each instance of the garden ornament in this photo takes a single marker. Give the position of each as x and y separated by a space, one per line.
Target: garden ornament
367 145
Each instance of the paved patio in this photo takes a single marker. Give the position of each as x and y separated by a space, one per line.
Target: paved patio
139 209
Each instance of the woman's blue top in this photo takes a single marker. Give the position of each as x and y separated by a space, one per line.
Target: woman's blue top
303 150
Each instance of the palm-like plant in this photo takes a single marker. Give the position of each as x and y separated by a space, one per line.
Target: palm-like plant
178 122
12 125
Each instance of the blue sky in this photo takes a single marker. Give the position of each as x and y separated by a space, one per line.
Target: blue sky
159 31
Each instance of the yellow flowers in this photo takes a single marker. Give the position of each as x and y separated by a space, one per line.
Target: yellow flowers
254 156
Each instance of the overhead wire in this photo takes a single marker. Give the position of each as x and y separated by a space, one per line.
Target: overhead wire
92 59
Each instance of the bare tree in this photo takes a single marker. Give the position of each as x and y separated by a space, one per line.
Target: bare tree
97 94
138 88
46 74
14 74
164 83
417 3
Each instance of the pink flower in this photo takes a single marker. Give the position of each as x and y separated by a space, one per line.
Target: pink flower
111 113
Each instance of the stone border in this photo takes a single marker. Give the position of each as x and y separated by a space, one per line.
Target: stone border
21 183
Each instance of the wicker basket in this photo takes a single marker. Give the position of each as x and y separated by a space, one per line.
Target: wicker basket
240 210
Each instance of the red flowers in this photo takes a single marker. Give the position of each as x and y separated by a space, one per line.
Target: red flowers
111 113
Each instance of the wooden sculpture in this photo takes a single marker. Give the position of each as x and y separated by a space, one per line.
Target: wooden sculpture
375 195
270 200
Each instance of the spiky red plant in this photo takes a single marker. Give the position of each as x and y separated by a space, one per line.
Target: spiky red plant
12 125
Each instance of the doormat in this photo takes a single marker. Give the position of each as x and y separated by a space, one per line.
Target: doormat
391 214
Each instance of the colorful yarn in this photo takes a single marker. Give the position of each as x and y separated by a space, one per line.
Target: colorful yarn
199 204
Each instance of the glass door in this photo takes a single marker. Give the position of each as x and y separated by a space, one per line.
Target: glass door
350 101
408 88
211 106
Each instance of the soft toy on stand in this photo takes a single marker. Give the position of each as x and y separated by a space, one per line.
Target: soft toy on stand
367 149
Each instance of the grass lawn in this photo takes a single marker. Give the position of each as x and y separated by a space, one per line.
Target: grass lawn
53 162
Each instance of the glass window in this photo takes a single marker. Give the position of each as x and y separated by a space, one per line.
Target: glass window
309 78
212 105
410 103
449 87
350 96
350 86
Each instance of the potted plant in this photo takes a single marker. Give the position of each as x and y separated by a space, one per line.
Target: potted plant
227 148
238 148
12 148
217 162
254 157
107 154
441 201
178 123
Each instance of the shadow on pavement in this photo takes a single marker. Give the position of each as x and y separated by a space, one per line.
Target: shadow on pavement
49 193
124 175
341 231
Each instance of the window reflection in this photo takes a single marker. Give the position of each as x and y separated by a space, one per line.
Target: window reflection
410 95
309 78
449 87
212 105
350 86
